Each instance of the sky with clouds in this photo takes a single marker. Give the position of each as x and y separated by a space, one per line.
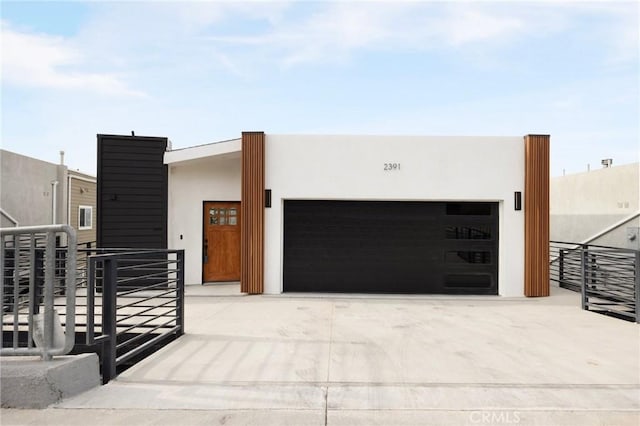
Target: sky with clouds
203 71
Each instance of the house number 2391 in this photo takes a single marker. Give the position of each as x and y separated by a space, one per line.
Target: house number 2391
389 167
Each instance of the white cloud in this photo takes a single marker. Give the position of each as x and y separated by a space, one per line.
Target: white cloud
467 25
336 30
43 61
242 37
201 60
613 23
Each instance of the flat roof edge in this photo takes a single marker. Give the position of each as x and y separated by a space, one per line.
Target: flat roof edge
203 151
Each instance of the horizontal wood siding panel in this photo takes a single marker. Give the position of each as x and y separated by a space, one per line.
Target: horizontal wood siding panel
130 226
252 213
143 198
86 236
140 171
132 192
83 193
536 214
154 210
122 153
134 187
83 200
132 241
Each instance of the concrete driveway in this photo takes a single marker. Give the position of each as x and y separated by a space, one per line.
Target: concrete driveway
388 360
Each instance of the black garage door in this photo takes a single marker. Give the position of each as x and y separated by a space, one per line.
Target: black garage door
391 247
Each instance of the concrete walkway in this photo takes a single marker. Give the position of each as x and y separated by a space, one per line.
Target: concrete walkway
365 360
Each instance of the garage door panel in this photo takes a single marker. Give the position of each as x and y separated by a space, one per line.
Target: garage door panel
390 247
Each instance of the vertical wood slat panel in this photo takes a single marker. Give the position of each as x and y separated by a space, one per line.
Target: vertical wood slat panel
252 214
536 215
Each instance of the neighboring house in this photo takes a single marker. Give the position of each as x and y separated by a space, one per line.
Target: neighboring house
367 214
35 192
597 207
81 202
32 191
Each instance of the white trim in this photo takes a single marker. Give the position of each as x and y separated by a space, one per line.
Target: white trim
86 227
203 151
72 176
68 199
54 202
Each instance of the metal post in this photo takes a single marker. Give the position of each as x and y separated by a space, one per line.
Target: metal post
38 279
91 298
109 300
3 265
35 285
16 292
637 284
180 293
49 277
593 266
33 296
61 268
584 257
561 268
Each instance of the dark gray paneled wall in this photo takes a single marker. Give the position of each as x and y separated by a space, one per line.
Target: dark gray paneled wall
132 192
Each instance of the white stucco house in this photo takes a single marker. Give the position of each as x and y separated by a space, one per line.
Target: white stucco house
373 214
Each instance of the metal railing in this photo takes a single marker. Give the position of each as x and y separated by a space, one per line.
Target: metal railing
134 301
120 303
608 278
85 249
31 275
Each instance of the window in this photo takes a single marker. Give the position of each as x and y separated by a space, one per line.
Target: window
468 257
223 216
471 232
85 218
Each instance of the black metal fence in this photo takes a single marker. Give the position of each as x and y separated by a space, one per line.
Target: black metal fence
133 304
128 302
607 277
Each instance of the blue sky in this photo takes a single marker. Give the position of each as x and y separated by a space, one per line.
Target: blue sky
204 71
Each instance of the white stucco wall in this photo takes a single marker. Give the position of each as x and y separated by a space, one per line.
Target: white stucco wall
26 193
190 184
584 204
432 169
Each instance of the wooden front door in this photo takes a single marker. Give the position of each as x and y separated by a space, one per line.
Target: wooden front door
221 241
